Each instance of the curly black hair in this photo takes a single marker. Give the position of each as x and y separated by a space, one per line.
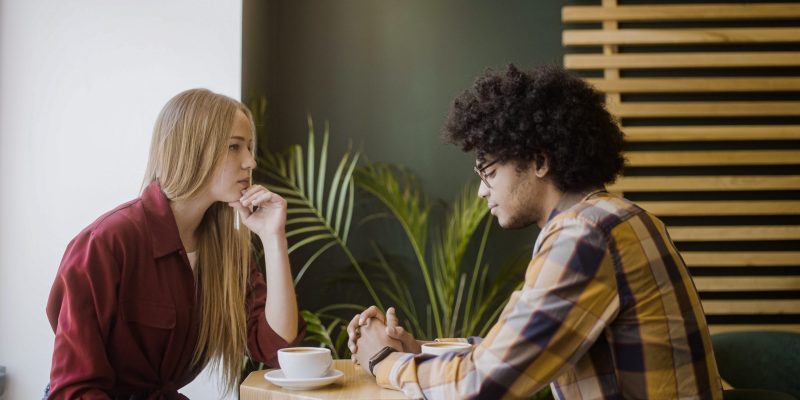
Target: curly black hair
527 116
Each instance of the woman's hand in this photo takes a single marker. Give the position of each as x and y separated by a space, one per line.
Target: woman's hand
262 211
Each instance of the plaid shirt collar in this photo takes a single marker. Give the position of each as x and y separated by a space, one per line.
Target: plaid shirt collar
569 199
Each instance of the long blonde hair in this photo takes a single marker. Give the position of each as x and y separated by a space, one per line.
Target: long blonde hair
190 139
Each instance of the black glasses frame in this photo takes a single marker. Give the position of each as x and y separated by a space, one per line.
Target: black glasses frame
480 172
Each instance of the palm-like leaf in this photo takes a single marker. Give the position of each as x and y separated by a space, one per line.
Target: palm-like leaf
404 200
448 252
453 291
320 211
398 292
323 332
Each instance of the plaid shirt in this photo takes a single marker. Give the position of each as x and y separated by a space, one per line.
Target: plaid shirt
608 311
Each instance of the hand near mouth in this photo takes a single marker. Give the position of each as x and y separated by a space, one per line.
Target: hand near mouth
262 211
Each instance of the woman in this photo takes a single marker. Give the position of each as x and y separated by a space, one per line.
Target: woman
161 286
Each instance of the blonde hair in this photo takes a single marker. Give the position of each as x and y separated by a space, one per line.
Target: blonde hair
190 139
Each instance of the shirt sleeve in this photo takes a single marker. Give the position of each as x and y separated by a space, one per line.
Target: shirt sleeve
263 342
81 308
568 299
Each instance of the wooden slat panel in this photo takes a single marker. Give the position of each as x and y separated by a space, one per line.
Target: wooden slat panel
746 283
705 12
712 157
682 60
609 73
696 85
716 133
596 37
761 306
741 258
716 208
707 109
733 233
722 328
611 62
704 183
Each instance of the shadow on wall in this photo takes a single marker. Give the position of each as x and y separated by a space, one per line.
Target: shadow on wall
2 381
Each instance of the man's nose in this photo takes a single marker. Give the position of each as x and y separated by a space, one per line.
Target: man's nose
483 190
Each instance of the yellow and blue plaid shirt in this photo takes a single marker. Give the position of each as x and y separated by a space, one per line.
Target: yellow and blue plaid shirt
608 311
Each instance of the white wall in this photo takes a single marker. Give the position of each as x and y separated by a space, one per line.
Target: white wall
81 83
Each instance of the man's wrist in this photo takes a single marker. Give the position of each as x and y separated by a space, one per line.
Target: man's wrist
378 357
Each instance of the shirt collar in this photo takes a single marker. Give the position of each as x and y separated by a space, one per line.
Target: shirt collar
569 199
163 229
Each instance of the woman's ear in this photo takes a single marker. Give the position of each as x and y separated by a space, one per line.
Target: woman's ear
541 166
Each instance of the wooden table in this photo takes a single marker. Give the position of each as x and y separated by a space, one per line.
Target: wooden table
355 384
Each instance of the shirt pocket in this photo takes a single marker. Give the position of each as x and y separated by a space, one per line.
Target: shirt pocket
149 313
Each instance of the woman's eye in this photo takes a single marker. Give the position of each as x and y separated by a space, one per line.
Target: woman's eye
233 147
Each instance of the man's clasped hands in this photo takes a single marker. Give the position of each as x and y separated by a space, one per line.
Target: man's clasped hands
371 331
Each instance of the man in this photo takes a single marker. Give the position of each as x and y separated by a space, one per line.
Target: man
608 309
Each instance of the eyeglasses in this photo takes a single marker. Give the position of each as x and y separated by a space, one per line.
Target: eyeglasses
481 173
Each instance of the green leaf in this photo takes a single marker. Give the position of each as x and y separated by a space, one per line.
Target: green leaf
310 239
311 260
334 188
405 202
347 178
350 202
311 159
300 177
323 163
299 231
305 206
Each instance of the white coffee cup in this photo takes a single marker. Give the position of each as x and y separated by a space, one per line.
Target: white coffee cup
304 362
439 348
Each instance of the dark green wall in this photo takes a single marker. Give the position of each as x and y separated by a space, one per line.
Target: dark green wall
384 74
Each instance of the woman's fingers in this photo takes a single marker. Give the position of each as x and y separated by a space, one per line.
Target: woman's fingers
250 194
251 190
263 198
253 194
260 199
243 211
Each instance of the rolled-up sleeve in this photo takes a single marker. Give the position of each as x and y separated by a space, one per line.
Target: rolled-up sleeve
262 341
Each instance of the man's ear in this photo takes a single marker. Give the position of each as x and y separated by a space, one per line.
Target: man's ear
541 166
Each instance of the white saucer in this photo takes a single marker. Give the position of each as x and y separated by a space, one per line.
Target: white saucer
277 377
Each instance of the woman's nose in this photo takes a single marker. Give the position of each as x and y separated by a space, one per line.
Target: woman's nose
249 162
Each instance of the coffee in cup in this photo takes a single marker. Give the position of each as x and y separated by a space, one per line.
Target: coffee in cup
304 362
439 348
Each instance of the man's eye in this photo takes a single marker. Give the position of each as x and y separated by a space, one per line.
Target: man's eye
491 174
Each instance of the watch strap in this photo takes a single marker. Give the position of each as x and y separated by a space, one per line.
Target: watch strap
380 356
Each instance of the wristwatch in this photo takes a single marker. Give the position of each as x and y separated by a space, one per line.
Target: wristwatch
379 356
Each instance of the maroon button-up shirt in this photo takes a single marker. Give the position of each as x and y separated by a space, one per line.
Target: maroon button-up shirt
124 310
